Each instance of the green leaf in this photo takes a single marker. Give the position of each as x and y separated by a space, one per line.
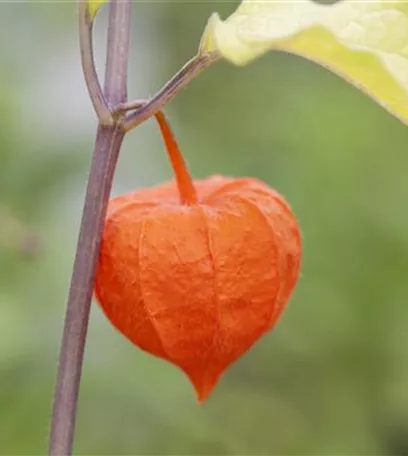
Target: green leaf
365 42
93 7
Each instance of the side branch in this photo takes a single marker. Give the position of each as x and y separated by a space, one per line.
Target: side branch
175 85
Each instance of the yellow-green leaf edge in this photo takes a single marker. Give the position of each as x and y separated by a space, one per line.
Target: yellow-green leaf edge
381 75
93 7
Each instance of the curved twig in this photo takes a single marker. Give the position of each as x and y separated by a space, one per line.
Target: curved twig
88 66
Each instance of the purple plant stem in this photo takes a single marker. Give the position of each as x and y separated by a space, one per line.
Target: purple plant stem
106 152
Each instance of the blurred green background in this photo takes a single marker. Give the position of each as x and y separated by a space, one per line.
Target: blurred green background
332 378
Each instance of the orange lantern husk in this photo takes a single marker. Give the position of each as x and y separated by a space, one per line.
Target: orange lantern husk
195 273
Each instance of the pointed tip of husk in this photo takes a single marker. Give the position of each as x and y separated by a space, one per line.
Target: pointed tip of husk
202 395
203 386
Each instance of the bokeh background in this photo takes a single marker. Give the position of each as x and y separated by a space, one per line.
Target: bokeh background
332 378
